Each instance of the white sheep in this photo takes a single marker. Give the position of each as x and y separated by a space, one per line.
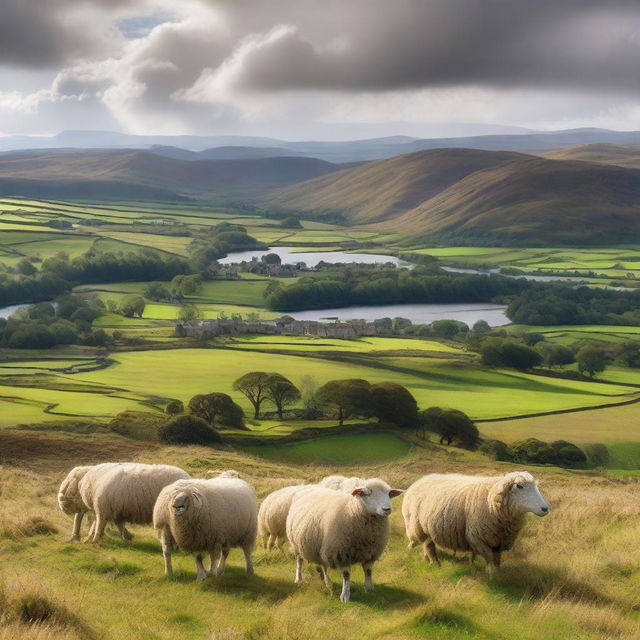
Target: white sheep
334 529
212 516
272 516
125 492
483 515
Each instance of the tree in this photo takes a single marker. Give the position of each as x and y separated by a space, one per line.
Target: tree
592 359
348 397
391 402
64 332
42 311
568 453
254 386
452 426
157 291
628 353
481 326
174 408
188 429
282 392
186 285
271 258
26 267
133 306
535 451
448 328
217 408
557 355
597 454
496 352
497 450
188 312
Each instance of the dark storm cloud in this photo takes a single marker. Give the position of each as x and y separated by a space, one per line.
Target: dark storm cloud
400 44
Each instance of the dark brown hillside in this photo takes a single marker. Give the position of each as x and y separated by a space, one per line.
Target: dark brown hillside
534 200
380 190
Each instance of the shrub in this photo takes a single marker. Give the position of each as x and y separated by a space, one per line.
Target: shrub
597 454
174 407
453 427
568 453
188 429
534 451
497 450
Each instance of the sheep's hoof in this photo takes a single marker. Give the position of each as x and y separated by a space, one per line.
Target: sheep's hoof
74 539
344 598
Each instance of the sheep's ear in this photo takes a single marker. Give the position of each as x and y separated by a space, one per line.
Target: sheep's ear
500 490
395 492
360 491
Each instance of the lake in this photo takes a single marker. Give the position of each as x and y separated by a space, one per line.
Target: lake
417 313
5 312
288 255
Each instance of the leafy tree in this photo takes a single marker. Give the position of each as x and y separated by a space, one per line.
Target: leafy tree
348 397
271 258
64 332
31 337
282 392
157 291
556 355
189 312
597 454
452 426
568 453
98 338
497 450
217 408
496 352
448 328
26 267
291 222
481 326
42 311
174 408
391 402
254 385
133 306
532 339
188 429
186 285
628 352
592 359
535 451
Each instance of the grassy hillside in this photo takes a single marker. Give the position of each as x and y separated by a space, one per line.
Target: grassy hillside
573 574
380 190
147 169
617 154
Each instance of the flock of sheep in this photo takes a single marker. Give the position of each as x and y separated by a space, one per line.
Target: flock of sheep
335 524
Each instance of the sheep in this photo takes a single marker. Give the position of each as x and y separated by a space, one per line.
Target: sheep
71 503
341 483
272 516
125 492
483 515
334 529
211 516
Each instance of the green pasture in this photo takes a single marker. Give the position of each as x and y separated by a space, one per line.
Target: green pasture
342 449
161 311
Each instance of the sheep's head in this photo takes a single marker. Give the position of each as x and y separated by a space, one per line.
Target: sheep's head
68 497
376 496
518 493
180 503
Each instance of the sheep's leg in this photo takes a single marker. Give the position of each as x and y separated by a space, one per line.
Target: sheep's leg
270 542
248 561
412 544
202 574
326 578
77 522
125 534
497 558
368 579
214 556
299 563
223 560
99 527
488 555
430 552
346 584
165 541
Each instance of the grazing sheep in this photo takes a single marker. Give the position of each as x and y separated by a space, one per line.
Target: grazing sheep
341 483
125 492
470 513
214 515
69 499
272 516
334 529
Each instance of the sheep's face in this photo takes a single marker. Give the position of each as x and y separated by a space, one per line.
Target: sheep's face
524 495
180 503
376 497
68 497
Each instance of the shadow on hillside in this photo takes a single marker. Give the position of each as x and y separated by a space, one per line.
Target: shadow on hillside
236 581
383 596
532 581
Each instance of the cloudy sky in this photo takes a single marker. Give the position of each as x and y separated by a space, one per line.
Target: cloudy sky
317 68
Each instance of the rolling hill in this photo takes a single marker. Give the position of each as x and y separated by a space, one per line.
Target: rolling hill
617 154
143 168
469 196
380 190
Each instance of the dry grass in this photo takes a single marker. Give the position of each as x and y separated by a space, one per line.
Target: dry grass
574 574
